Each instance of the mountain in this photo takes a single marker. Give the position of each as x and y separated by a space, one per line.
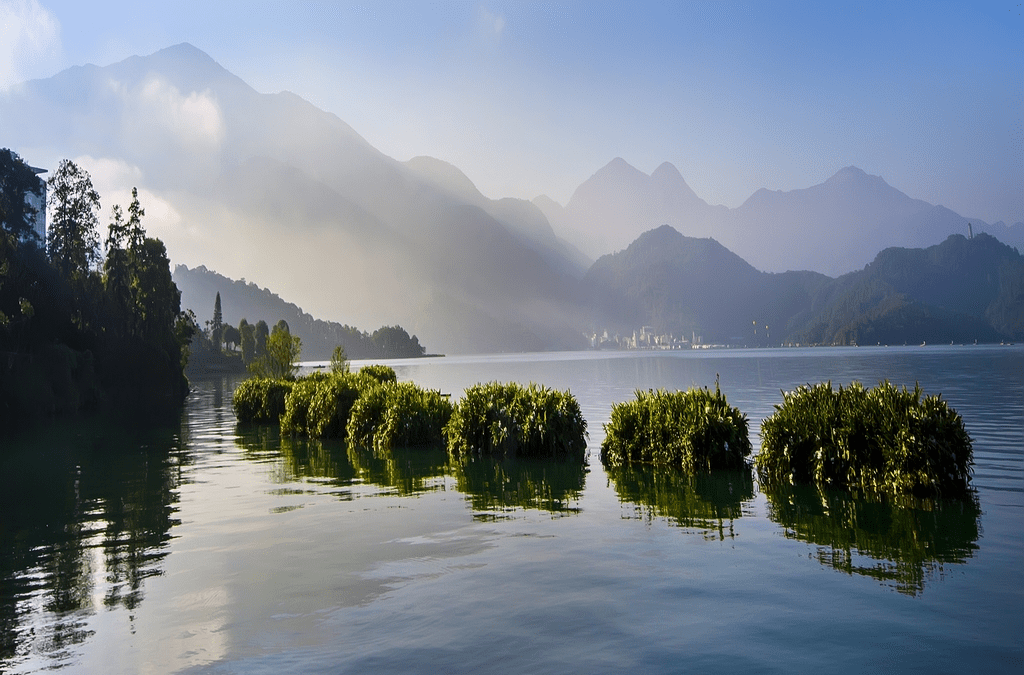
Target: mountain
960 290
832 228
687 286
268 185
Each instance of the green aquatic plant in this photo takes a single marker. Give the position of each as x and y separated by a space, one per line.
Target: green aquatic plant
260 399
320 403
513 420
398 414
381 373
693 430
882 440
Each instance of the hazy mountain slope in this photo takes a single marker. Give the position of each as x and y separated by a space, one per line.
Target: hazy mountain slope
960 290
682 285
269 185
832 228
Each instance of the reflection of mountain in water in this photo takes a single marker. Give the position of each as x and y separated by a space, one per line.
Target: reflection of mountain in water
703 503
900 545
499 486
67 493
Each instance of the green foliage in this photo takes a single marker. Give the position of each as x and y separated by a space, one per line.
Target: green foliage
883 440
512 420
339 362
247 341
320 403
281 358
72 238
260 399
398 414
394 342
693 430
382 374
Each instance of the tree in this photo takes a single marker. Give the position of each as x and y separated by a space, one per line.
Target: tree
17 182
339 362
247 337
218 323
262 335
72 239
231 336
282 357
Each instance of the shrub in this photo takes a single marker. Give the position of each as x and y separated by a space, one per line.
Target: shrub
512 420
398 414
260 399
320 403
382 374
886 440
693 430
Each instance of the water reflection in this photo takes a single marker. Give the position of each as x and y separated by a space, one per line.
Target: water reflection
85 516
496 487
402 471
901 545
707 504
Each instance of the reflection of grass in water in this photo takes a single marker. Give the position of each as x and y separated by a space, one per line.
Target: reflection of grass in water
403 471
707 503
495 485
901 543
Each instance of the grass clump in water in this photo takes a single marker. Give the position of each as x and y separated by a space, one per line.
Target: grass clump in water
261 399
515 421
694 430
398 414
882 440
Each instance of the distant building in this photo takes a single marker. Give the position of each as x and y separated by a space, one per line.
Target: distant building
39 204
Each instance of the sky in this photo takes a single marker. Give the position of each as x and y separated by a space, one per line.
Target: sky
531 98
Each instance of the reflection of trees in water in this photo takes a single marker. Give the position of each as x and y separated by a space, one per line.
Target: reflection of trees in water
707 503
82 507
496 486
900 544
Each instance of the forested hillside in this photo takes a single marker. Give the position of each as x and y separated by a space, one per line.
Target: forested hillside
245 300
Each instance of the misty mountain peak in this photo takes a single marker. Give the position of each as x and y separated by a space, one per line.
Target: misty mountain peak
852 175
666 171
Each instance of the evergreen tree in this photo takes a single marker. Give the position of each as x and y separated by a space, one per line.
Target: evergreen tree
72 239
217 326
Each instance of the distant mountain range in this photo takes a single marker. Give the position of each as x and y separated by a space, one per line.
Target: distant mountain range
960 290
268 187
832 228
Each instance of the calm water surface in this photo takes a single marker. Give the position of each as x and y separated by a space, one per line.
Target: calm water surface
211 547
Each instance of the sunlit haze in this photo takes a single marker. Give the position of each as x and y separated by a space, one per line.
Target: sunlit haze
533 98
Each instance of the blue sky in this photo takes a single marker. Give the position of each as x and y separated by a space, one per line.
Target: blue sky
534 97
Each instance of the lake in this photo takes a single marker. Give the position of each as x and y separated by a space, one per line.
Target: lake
210 547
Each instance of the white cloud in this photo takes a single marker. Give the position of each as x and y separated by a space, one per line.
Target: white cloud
114 180
195 119
29 40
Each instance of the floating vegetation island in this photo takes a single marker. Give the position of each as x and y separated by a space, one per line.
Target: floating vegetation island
372 409
885 440
694 430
